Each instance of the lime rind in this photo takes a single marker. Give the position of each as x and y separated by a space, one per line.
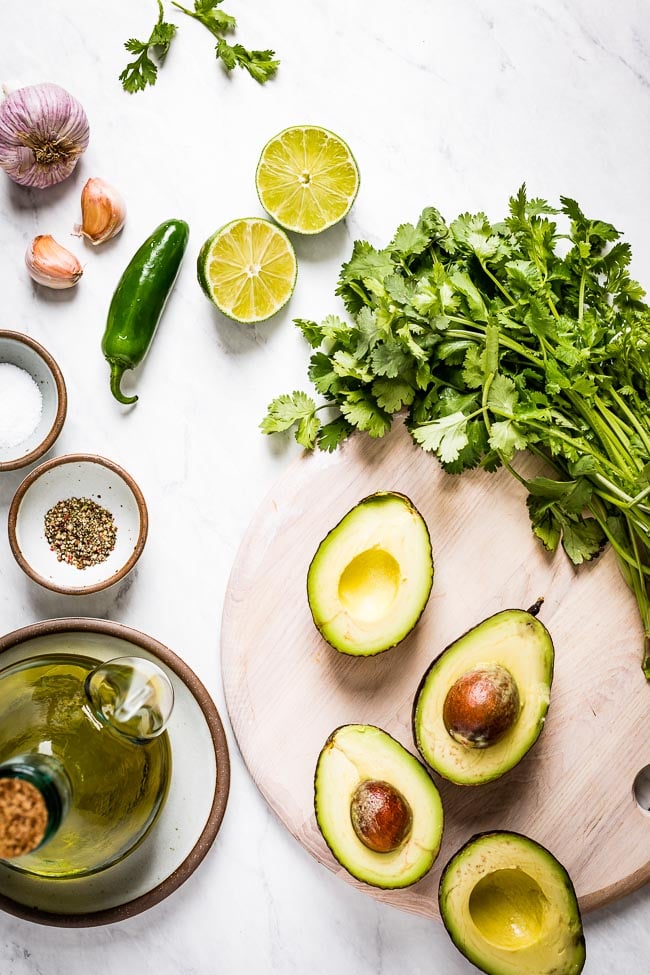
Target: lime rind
294 205
221 269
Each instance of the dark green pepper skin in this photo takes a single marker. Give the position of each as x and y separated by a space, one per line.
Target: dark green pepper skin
139 300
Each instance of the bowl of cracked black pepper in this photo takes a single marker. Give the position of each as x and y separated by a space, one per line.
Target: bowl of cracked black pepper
78 524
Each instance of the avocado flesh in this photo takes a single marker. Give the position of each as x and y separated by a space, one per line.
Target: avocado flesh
370 578
510 907
515 640
357 753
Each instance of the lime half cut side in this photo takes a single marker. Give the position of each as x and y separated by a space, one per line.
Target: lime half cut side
307 179
248 269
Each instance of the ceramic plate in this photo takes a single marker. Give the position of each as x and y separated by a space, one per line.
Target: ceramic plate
191 816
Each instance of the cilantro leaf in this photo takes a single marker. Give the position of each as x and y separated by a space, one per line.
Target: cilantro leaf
362 411
346 364
503 396
446 436
544 522
409 240
261 65
392 395
143 70
307 430
334 433
286 410
506 436
390 359
322 374
310 330
583 540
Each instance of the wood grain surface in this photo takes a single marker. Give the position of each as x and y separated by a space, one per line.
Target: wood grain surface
286 689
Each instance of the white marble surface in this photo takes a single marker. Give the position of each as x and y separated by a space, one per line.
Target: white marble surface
444 102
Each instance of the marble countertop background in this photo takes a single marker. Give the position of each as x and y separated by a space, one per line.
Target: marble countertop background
446 102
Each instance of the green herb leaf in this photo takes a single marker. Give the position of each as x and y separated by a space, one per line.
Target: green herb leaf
332 434
311 331
286 410
261 65
361 411
143 70
307 431
583 540
392 395
446 436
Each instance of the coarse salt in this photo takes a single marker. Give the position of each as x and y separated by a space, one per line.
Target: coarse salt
21 405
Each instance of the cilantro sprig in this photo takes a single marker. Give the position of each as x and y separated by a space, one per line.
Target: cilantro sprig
260 64
495 337
143 70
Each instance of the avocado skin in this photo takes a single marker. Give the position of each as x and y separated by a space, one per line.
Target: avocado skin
389 884
378 498
579 947
532 612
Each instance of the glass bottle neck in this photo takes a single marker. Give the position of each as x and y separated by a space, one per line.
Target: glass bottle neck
31 813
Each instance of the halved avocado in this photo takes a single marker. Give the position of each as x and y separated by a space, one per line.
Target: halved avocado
356 757
514 642
510 907
370 578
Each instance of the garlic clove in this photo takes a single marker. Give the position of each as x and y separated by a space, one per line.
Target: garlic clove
52 265
103 211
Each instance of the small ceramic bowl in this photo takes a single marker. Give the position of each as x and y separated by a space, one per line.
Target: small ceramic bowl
77 476
22 351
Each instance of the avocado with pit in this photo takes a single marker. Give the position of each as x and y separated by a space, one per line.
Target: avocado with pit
376 807
482 703
371 577
510 907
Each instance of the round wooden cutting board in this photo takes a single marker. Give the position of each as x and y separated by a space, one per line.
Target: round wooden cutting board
287 690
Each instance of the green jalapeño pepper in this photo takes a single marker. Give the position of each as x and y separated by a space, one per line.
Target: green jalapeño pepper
139 300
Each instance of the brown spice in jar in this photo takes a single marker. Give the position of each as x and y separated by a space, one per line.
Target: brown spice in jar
80 532
23 818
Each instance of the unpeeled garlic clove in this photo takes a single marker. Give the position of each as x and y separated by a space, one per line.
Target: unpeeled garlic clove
51 264
103 211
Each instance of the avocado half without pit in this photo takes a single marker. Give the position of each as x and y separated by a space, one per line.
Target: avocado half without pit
376 807
371 577
482 703
510 907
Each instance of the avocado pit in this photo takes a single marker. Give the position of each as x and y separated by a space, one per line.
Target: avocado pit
381 817
481 706
508 907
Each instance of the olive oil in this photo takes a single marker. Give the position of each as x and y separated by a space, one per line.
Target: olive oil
117 783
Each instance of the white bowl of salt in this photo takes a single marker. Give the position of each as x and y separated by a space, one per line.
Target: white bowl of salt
33 400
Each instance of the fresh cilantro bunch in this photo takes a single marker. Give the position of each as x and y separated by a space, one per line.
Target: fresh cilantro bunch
495 338
143 71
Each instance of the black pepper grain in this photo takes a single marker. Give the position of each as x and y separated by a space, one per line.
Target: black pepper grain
80 532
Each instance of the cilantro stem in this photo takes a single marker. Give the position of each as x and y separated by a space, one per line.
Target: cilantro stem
496 281
622 405
504 340
581 296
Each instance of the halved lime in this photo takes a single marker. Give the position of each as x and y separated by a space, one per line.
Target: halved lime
248 269
307 178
